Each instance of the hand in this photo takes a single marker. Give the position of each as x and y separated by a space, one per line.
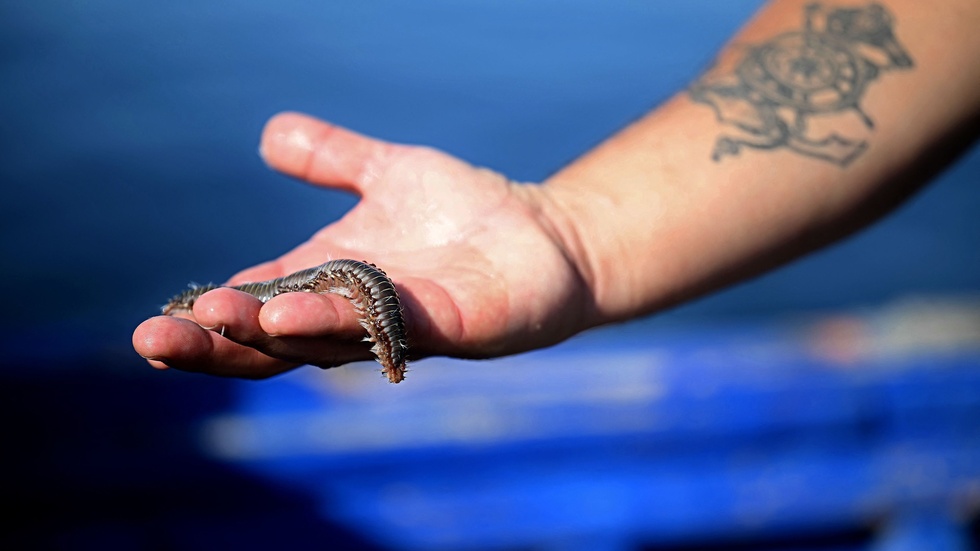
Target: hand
476 259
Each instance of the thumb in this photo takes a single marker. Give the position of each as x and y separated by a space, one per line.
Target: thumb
321 153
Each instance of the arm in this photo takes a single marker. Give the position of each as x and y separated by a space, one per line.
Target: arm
720 183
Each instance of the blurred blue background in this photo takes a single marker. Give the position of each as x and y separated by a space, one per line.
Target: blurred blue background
832 404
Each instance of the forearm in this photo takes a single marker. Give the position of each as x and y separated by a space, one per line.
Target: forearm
814 133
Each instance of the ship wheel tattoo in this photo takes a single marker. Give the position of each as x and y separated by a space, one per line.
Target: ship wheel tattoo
773 91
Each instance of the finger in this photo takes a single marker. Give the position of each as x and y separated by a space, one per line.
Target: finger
310 315
320 352
233 316
160 338
231 313
322 153
167 341
321 330
245 319
297 328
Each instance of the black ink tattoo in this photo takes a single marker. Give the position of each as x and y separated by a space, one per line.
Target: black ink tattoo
823 70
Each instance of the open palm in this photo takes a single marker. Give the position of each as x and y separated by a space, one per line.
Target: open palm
475 258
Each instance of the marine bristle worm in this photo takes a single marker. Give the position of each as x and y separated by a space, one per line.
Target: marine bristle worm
366 286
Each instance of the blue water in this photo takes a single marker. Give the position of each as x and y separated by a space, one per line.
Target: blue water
130 134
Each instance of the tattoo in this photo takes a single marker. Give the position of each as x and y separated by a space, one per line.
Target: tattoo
778 86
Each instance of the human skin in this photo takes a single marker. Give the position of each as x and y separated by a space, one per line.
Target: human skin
647 220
